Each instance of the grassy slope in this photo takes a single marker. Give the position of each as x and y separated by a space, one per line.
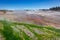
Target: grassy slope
23 31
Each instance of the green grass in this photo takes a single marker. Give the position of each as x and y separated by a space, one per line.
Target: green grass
16 31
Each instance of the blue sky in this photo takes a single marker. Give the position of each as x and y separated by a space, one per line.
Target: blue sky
28 4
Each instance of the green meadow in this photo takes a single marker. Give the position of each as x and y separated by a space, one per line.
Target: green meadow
23 31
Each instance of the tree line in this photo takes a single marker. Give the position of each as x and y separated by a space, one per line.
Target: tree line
55 9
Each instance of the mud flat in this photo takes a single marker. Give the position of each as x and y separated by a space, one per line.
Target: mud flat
51 18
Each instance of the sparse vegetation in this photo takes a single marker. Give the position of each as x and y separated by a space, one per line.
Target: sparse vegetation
4 11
